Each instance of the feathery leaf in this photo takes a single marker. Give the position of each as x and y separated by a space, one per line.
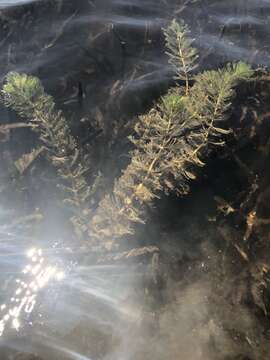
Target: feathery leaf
182 56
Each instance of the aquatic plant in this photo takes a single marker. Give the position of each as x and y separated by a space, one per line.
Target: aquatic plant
182 55
25 94
169 141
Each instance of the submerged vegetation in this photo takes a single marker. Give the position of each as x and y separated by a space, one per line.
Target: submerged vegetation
26 95
169 141
213 256
169 144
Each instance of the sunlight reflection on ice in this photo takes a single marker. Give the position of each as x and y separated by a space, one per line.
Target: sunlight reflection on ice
35 276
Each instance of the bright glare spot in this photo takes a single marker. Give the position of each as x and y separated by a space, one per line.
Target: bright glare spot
60 275
30 305
35 269
26 269
31 252
38 275
2 327
16 324
32 284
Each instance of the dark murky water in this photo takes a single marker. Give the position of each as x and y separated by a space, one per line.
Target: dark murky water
114 49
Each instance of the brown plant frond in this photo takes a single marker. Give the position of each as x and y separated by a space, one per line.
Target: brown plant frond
125 255
169 142
26 160
25 94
